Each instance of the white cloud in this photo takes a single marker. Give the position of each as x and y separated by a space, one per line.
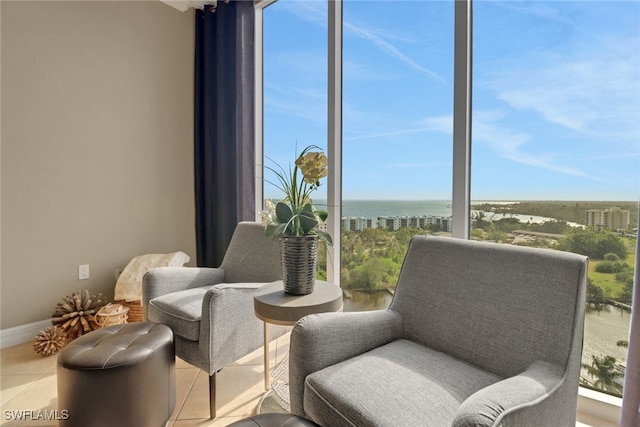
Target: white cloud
439 124
299 89
512 145
506 142
296 101
311 11
394 132
442 124
536 9
357 71
385 46
419 165
316 12
593 90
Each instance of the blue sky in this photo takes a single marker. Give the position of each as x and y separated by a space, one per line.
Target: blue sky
556 97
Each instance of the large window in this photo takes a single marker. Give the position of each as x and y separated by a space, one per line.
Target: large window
396 141
294 91
295 81
556 147
555 136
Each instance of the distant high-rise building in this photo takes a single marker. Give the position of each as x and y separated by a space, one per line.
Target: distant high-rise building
394 223
593 218
613 218
390 223
356 223
616 218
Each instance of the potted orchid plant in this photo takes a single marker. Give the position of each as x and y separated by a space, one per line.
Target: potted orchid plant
294 219
295 214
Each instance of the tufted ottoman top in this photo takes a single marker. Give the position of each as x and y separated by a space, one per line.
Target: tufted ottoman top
117 345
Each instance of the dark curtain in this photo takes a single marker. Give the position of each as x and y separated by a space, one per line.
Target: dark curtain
224 132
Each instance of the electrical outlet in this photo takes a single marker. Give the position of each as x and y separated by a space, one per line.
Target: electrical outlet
83 272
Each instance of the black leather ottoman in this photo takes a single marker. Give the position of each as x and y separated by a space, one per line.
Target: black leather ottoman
121 375
273 420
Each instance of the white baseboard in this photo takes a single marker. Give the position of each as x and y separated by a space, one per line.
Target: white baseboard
23 333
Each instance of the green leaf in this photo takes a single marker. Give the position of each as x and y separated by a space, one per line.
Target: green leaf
324 236
307 219
322 215
275 230
283 212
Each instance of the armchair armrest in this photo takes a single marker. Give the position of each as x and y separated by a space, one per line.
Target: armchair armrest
507 402
164 280
229 328
321 340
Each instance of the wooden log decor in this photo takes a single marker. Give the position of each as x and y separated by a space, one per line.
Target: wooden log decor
75 315
49 341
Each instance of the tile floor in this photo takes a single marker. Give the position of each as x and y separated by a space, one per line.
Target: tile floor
28 383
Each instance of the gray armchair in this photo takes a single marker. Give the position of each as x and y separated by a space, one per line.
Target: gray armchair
477 334
210 310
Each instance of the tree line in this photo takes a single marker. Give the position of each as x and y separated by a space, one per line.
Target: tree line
569 211
372 258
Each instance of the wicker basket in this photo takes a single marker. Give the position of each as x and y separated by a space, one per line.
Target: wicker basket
111 314
135 310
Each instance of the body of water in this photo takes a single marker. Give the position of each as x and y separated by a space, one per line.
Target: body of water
367 300
442 208
602 330
375 208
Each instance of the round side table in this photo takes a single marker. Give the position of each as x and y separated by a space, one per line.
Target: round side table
272 305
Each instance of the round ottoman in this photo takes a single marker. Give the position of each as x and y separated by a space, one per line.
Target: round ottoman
121 375
274 420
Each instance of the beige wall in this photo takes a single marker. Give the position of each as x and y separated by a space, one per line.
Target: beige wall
96 150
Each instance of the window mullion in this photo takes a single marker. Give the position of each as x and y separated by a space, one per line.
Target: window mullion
461 198
334 136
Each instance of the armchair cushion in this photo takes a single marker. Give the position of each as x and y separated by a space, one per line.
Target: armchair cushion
401 384
161 281
181 311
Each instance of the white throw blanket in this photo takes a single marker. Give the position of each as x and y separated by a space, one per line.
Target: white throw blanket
129 284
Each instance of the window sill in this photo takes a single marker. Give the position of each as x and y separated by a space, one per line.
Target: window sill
598 409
